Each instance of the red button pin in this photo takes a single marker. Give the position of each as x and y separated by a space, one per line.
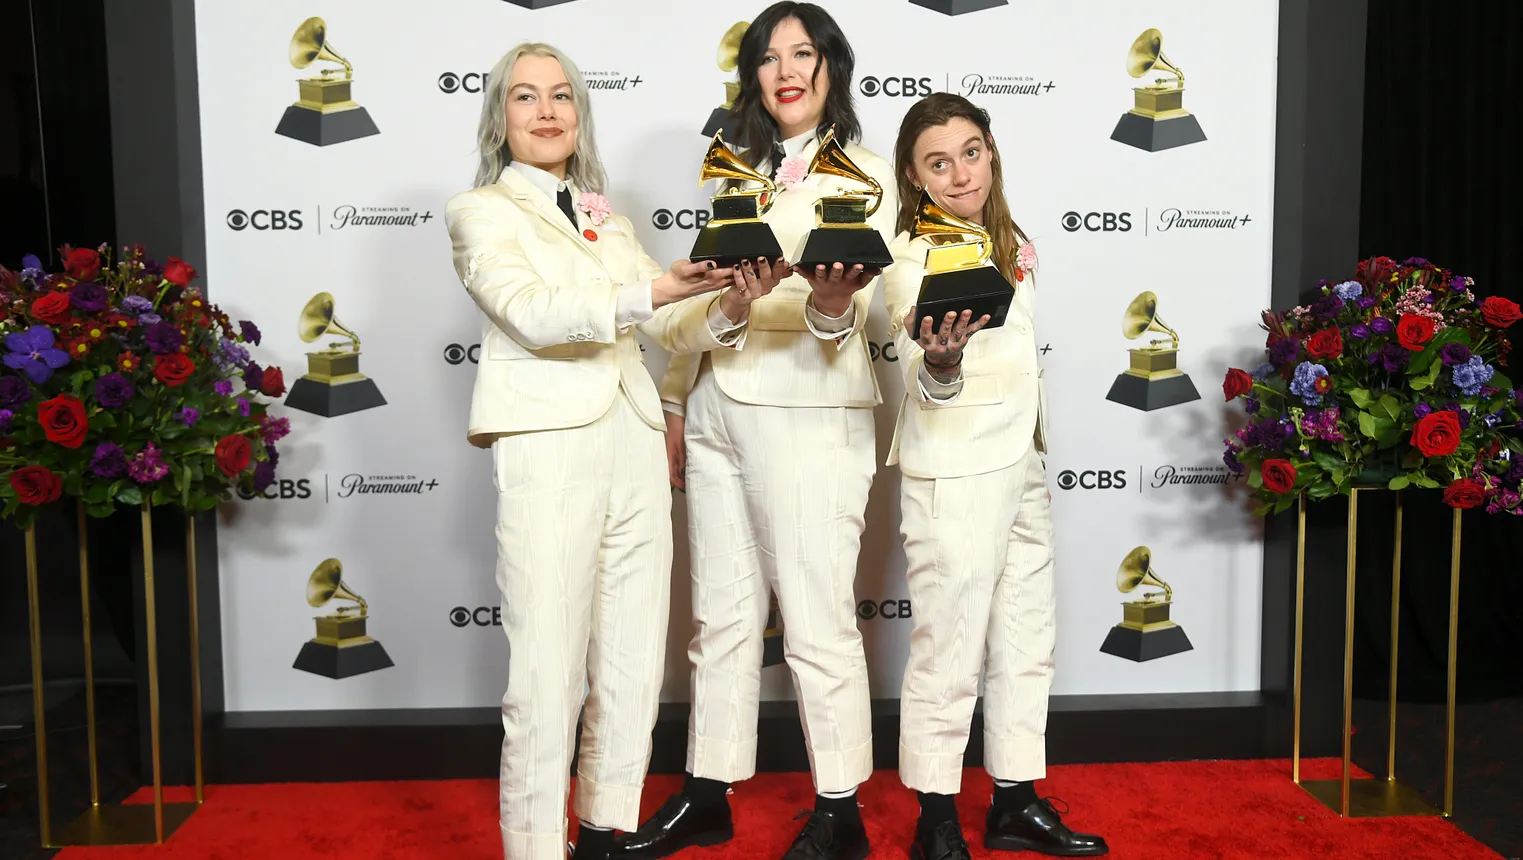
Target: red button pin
591 236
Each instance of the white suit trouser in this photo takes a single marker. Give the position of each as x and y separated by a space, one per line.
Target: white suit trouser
584 553
776 497
979 553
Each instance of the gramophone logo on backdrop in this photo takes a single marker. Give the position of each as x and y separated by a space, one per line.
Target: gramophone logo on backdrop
325 114
341 648
333 384
728 59
538 4
1154 381
1145 632
1158 119
959 7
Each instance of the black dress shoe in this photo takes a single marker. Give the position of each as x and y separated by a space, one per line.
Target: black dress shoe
1039 828
678 824
827 836
944 843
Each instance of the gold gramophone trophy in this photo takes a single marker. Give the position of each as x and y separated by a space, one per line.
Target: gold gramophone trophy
772 637
1145 632
1158 119
333 384
959 7
1154 380
841 233
341 648
729 54
325 114
957 274
736 232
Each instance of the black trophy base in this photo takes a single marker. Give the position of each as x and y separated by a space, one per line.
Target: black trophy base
772 651
959 7
325 129
329 401
982 290
331 661
720 119
1156 135
1150 394
538 4
728 244
849 246
1141 646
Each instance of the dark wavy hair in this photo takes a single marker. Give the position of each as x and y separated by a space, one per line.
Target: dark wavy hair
756 130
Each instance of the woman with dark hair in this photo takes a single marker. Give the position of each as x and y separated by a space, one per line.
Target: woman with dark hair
779 392
977 520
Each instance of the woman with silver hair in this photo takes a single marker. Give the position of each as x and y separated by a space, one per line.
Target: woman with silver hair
565 404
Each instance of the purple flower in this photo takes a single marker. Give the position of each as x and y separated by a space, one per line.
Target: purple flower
189 416
1262 372
135 305
1393 357
1462 414
5 420
243 407
113 390
1366 303
1349 290
249 331
1229 457
1381 325
152 267
1454 353
264 475
273 454
147 467
109 461
1515 471
1273 434
30 261
88 297
1304 384
1421 411
275 429
253 376
1327 307
1492 419
32 353
223 387
232 354
1469 376
1283 352
1252 405
1415 261
150 319
14 392
1359 331
162 337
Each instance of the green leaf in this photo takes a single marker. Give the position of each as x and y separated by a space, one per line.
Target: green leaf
1389 406
130 496
1413 459
1328 461
1399 482
1367 424
1263 510
1421 479
1500 381
1284 503
1420 383
1361 398
1433 372
173 431
1422 362
1319 492
1255 477
100 510
1387 432
96 494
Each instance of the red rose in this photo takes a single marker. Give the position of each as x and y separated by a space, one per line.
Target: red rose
82 264
1327 343
178 272
1464 494
63 420
274 382
172 369
36 485
1237 383
1279 475
232 455
1437 434
1413 331
52 308
1500 312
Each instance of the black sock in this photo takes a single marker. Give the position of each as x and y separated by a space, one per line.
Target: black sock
704 791
841 807
1017 796
936 809
593 843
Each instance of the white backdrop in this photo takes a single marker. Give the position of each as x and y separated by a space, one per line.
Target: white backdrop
1053 76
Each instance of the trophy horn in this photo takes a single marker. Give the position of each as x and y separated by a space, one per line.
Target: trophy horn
729 46
932 220
1142 316
326 583
310 43
831 160
1137 569
1146 54
317 319
721 162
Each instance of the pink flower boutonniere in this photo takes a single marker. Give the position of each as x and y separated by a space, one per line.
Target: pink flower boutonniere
1025 257
792 171
596 206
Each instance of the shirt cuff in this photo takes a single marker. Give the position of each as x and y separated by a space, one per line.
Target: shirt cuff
724 331
674 408
634 305
829 328
936 391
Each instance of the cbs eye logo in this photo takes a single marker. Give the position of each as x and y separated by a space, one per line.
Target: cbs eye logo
682 219
895 87
457 354
1098 222
265 219
471 82
481 616
1103 479
867 610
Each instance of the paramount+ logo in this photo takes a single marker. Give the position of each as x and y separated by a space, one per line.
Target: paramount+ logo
480 616
1092 479
264 219
682 219
892 609
895 86
1097 222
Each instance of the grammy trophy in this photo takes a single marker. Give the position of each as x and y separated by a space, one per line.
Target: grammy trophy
1145 632
957 275
1154 380
341 648
736 232
333 384
729 53
325 114
841 233
1158 119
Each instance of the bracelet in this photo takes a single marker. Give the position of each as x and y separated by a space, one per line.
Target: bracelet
955 362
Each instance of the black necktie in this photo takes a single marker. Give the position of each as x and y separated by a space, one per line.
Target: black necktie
777 159
563 200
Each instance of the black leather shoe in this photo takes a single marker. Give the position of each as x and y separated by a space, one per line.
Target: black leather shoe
678 824
1039 828
827 836
945 843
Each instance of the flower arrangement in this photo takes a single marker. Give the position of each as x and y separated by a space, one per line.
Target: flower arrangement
1392 378
121 384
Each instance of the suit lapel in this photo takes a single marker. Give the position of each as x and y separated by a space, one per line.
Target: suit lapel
531 199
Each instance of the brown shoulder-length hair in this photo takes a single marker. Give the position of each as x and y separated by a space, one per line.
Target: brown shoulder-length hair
937 110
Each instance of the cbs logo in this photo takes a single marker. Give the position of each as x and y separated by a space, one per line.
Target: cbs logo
682 219
891 609
265 219
282 489
481 616
887 351
456 354
895 87
1098 222
471 82
1103 479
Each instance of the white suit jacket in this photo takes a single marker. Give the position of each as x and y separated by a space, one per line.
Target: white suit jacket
997 411
777 360
552 353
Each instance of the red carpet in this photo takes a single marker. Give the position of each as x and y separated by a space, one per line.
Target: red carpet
1164 811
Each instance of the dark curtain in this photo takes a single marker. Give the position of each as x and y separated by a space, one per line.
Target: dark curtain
1443 155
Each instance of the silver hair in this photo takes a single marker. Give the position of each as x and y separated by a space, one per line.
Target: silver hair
584 169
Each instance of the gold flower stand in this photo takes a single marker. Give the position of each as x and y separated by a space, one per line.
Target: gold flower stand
116 823
1368 798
